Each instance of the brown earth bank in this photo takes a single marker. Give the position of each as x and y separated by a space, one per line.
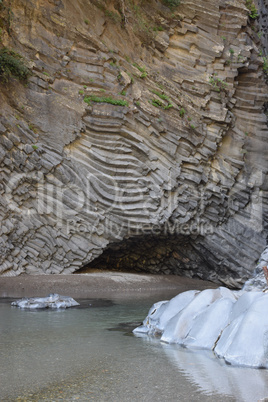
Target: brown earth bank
97 284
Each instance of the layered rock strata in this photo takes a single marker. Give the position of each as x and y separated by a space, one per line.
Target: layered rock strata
178 163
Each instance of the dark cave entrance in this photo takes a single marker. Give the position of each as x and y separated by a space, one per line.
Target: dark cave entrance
167 255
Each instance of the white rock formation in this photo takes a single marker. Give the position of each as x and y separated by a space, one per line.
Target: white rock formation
232 324
53 301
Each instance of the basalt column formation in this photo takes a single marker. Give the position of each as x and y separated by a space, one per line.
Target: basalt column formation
139 141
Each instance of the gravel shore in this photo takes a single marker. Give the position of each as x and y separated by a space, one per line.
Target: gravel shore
98 284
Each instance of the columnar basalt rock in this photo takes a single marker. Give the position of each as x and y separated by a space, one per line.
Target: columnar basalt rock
263 24
179 163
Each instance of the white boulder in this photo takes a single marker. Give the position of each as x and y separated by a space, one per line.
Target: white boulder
245 340
232 324
53 301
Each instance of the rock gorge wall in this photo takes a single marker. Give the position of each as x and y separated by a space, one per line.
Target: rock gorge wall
175 180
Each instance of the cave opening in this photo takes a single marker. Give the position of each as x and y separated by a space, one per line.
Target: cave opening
165 255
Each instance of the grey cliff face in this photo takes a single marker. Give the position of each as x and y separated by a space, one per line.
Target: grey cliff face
263 24
172 179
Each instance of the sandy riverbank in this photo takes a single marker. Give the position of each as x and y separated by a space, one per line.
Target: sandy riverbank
100 284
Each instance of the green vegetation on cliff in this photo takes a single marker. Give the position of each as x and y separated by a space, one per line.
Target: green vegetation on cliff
12 65
253 12
105 99
172 3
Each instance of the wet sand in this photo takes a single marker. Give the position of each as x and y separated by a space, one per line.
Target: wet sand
98 284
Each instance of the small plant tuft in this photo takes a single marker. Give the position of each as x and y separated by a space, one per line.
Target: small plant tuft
114 16
143 75
253 12
158 28
141 69
160 86
113 64
160 95
158 102
105 99
12 65
217 83
182 112
172 3
265 64
169 106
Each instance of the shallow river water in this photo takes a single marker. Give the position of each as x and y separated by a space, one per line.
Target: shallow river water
86 354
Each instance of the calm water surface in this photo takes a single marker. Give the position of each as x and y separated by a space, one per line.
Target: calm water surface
85 354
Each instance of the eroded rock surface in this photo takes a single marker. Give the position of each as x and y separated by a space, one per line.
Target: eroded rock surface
232 324
179 171
258 281
53 301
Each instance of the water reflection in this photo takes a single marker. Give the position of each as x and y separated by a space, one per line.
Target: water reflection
212 375
72 355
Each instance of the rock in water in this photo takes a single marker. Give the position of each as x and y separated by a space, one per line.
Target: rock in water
53 301
232 324
245 340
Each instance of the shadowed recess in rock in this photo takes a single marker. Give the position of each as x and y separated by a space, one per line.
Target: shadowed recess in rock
170 255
